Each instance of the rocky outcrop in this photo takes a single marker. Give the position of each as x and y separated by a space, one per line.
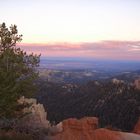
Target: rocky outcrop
87 129
69 129
74 129
116 81
84 124
137 127
35 115
137 84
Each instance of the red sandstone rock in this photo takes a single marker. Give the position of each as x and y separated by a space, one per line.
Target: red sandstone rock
84 124
74 129
87 129
137 127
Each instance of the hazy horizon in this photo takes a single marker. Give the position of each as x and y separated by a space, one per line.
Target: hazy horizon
63 58
93 64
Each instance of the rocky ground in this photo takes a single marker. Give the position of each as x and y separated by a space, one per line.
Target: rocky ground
35 126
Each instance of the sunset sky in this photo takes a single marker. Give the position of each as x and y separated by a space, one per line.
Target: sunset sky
76 28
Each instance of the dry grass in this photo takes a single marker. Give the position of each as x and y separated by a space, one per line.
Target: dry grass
11 135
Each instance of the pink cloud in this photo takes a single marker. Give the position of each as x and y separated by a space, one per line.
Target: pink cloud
129 50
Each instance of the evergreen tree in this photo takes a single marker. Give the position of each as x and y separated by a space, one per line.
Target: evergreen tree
17 70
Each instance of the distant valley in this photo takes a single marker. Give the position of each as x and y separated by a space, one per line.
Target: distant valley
105 89
82 71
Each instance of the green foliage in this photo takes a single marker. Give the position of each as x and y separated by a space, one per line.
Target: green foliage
17 70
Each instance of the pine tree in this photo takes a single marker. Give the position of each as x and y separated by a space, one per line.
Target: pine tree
17 70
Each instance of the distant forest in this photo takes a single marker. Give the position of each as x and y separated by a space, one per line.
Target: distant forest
116 105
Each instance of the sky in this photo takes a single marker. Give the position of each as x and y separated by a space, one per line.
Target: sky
76 28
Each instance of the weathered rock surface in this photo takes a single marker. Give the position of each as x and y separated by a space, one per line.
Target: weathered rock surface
35 117
74 129
137 84
55 129
84 124
70 129
116 81
129 136
137 127
87 129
